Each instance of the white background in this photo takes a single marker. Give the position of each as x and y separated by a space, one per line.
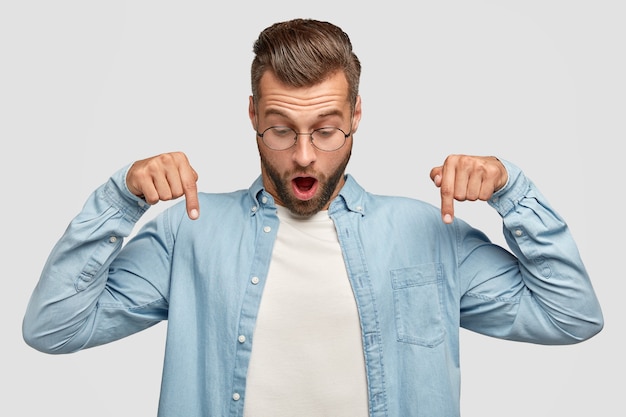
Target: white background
87 87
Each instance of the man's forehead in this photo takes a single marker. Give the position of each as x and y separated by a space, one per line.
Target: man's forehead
329 96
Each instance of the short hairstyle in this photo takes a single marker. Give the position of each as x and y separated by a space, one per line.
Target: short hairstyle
305 52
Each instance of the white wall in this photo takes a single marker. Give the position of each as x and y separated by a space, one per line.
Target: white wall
87 87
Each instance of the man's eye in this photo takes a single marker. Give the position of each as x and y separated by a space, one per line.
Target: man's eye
282 132
325 132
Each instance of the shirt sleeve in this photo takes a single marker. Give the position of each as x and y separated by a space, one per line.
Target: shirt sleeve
82 299
537 292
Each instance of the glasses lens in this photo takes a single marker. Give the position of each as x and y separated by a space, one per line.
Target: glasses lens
279 137
328 138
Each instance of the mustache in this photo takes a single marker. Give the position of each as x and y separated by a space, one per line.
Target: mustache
304 172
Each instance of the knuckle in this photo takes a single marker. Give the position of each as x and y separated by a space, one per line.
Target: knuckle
485 195
151 199
446 191
460 197
166 195
190 186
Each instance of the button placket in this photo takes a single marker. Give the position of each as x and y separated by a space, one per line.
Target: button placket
265 223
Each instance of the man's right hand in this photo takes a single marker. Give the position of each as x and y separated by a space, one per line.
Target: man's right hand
165 177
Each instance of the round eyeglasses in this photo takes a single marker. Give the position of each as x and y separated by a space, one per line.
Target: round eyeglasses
280 138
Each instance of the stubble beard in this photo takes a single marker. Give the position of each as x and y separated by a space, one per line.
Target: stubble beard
327 186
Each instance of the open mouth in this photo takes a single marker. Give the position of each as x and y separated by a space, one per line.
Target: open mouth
304 187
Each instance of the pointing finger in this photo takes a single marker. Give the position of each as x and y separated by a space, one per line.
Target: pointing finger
446 191
189 180
447 201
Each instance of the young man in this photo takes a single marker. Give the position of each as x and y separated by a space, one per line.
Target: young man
304 295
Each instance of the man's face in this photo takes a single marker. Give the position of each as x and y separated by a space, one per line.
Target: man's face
303 178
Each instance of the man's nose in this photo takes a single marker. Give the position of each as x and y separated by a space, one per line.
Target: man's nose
304 153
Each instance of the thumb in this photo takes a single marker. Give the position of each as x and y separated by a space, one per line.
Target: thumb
435 175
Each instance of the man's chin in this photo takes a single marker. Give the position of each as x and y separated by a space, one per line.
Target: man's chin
304 208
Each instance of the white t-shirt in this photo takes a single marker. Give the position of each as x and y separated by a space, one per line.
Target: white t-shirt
307 353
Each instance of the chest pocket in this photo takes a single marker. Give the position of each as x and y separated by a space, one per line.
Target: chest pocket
417 304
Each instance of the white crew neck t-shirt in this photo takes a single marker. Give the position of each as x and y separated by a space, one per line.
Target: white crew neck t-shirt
307 353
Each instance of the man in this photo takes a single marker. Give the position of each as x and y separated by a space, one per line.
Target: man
305 295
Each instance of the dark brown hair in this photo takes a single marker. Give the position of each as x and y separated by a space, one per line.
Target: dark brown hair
305 52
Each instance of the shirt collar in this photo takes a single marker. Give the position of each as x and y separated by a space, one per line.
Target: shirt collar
351 197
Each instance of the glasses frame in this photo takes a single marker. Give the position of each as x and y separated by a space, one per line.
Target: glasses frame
310 134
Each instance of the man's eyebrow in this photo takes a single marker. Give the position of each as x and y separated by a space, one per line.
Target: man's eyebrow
278 112
274 112
334 112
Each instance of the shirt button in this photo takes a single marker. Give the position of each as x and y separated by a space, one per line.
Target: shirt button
113 239
518 232
241 338
359 208
236 396
254 209
255 280
264 199
267 229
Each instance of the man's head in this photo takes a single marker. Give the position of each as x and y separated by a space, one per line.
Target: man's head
305 81
304 52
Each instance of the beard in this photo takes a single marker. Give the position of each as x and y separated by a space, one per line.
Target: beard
326 188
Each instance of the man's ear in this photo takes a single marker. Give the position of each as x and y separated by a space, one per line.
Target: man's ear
356 115
252 113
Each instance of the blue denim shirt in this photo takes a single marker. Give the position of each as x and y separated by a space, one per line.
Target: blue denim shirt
416 281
